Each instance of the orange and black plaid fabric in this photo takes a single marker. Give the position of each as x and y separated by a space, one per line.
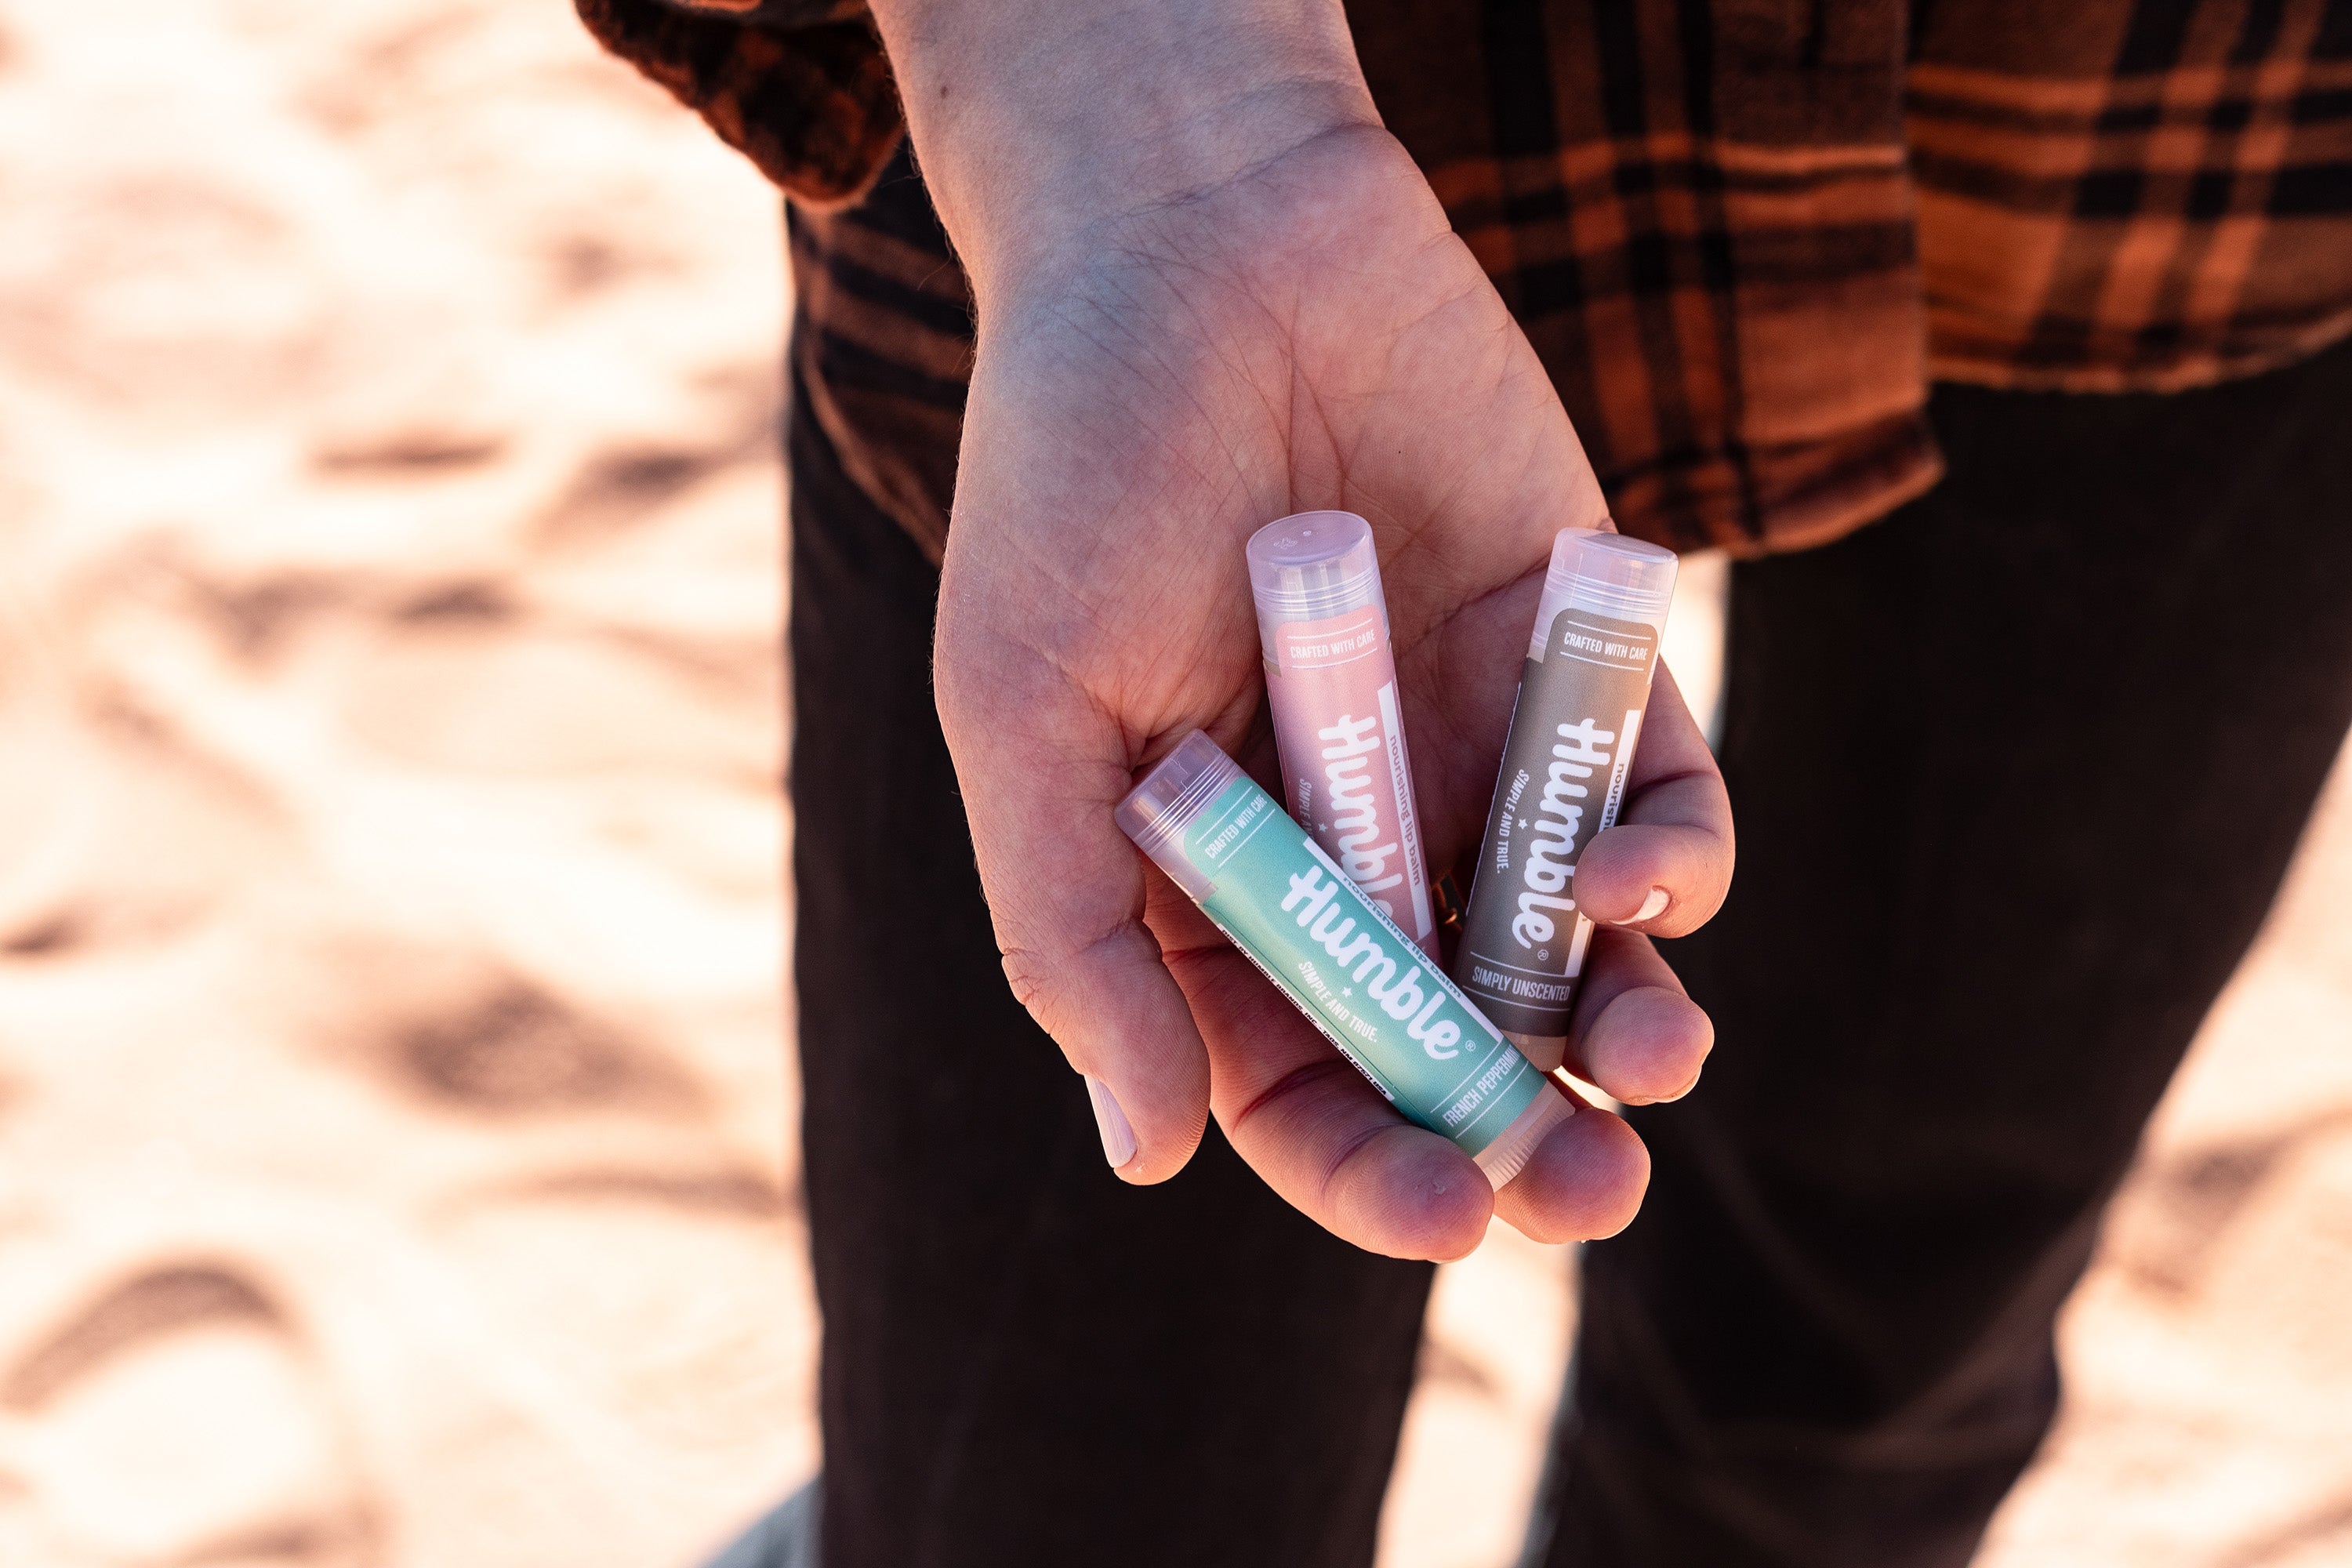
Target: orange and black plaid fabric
1743 235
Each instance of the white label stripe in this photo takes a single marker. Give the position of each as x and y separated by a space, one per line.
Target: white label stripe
1481 958
1416 875
1576 946
1333 663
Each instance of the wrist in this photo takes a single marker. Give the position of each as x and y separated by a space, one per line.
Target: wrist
1039 123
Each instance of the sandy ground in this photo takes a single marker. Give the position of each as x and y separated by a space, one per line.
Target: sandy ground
395 1104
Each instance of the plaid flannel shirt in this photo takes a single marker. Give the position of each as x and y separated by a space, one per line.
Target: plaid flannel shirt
1742 235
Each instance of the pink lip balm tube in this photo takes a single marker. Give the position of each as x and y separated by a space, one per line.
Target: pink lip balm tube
1331 682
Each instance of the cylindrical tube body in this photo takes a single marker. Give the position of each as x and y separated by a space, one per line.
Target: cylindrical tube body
1293 912
1590 660
1331 682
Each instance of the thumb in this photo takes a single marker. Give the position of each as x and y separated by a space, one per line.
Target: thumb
1041 767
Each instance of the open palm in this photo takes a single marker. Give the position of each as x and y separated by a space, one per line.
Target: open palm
1310 334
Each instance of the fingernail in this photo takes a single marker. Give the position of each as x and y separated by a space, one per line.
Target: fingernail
1118 1138
1652 908
1685 1088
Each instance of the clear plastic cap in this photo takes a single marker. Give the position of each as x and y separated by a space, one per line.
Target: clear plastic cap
1312 565
1157 810
1508 1156
1609 574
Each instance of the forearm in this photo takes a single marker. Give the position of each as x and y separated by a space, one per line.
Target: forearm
1035 119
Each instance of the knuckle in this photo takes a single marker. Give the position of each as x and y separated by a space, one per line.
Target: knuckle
1040 980
1284 1093
1029 975
1347 1164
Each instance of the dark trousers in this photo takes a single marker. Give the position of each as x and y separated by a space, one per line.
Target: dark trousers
2017 771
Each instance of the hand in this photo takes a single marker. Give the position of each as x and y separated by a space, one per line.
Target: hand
1300 329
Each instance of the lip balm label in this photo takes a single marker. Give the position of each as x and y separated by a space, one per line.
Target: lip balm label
1563 777
1332 687
1290 909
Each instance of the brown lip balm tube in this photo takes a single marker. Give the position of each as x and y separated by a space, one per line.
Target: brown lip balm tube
1590 660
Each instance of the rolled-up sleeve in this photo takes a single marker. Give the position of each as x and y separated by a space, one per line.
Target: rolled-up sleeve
799 87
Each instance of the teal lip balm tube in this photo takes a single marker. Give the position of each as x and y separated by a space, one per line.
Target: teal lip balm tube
1293 912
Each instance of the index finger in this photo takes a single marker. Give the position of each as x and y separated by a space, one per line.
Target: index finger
1041 767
